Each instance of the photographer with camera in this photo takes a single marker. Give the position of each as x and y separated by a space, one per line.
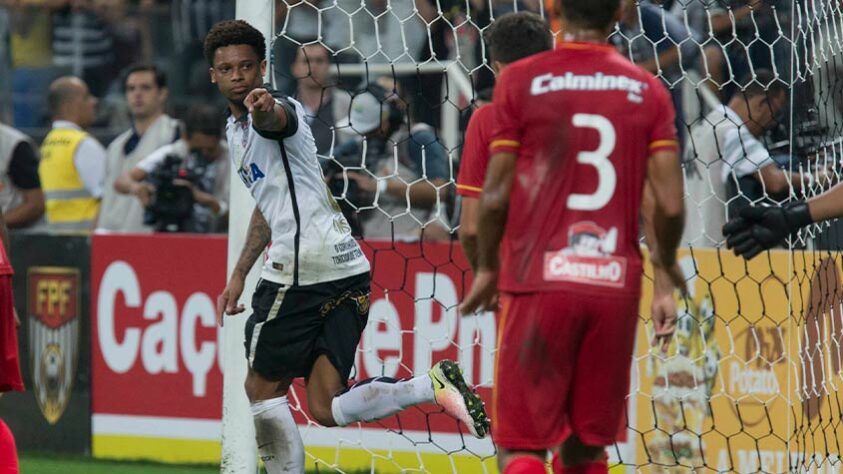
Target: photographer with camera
380 173
727 165
183 186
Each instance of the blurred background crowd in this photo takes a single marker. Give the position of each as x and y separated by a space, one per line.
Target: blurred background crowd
132 79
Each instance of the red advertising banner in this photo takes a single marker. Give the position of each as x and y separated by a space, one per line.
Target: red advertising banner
156 360
154 333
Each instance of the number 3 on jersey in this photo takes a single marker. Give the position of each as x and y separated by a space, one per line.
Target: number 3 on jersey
599 159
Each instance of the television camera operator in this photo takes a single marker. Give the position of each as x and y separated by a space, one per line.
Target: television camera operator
184 186
378 175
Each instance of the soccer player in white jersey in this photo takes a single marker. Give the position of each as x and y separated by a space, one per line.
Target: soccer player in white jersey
312 302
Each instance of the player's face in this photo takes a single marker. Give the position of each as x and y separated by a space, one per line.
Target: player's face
207 145
236 71
144 96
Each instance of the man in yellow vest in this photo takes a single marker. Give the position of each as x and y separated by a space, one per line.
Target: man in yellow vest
72 162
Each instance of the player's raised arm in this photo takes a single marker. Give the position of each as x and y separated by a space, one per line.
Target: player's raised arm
267 114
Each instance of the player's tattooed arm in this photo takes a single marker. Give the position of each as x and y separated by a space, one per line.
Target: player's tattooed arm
256 241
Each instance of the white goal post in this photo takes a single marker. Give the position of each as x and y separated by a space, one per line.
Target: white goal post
239 448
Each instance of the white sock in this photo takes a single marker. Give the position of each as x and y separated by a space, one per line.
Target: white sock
379 397
279 442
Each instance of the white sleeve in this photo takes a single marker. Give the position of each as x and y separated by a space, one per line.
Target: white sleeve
743 154
155 158
90 161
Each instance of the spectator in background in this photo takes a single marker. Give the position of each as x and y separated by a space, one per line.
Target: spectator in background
191 20
698 15
297 23
727 166
83 40
398 198
72 162
31 32
202 152
323 102
146 92
21 197
649 37
380 36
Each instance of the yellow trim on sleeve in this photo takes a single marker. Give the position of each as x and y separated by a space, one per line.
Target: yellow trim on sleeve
504 143
469 188
661 143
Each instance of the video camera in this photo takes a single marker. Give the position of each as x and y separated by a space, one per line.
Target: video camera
172 205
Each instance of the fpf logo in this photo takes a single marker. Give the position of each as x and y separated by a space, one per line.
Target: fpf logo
53 327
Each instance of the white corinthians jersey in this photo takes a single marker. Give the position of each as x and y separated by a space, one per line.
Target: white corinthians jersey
311 240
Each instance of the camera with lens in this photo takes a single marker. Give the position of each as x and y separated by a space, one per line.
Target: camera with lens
172 205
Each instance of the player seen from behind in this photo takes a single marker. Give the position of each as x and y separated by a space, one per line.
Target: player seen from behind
580 130
511 37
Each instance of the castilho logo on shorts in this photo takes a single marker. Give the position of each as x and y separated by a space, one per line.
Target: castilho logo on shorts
588 258
53 325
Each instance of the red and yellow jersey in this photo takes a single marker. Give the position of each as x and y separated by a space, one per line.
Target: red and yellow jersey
475 152
582 120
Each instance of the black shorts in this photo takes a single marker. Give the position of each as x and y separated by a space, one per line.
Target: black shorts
291 326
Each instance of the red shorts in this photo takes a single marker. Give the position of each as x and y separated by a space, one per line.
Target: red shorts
562 367
10 378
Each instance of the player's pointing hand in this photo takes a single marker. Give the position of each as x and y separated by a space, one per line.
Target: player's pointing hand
259 100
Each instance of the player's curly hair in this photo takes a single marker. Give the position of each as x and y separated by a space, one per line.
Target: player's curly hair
591 14
515 36
230 32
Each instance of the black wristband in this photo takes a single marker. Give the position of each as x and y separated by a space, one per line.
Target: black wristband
798 215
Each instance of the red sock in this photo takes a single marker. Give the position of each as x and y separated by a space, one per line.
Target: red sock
597 467
8 452
525 465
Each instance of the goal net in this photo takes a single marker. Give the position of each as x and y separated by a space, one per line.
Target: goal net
750 382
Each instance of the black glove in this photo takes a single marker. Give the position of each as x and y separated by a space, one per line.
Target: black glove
761 228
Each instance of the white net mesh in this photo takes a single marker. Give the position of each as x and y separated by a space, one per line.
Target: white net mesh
750 383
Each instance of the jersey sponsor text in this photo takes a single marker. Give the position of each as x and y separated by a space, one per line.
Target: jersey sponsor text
603 271
595 82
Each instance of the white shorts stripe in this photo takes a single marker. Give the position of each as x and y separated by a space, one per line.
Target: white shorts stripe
273 313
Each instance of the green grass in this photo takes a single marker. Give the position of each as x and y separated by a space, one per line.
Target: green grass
38 463
52 464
